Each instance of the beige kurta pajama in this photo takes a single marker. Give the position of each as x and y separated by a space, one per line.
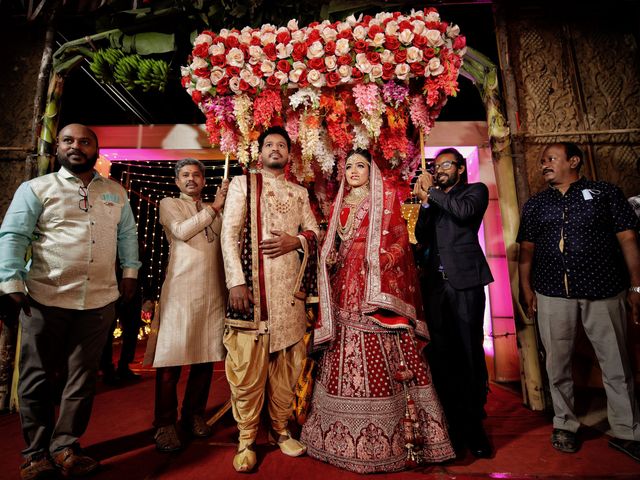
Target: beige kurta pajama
268 359
194 297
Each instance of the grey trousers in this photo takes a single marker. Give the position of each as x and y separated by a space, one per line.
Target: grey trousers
605 323
58 340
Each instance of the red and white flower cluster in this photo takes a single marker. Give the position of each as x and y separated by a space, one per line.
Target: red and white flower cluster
357 50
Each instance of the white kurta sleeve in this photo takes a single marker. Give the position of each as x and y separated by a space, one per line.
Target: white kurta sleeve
173 219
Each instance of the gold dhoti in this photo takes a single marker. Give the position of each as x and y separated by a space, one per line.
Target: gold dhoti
251 370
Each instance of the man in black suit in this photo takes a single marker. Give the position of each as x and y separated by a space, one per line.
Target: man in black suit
455 273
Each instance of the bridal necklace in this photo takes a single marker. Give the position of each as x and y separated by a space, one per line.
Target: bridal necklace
353 200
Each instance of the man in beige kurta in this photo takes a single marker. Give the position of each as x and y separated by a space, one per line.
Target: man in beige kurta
265 351
192 305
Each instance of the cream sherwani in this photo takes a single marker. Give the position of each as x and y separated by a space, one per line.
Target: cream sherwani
286 320
193 298
266 361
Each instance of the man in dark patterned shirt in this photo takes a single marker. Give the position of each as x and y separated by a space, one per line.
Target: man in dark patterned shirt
578 257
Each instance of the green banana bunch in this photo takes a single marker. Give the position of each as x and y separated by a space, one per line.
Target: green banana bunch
112 65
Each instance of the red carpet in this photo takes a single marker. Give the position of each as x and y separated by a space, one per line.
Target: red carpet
120 436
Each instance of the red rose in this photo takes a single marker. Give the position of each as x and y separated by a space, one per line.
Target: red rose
232 41
245 50
244 86
202 72
196 96
429 53
317 64
391 43
186 80
345 34
405 25
419 41
233 71
201 50
400 56
373 30
360 46
273 82
299 51
443 27
217 60
313 35
344 60
366 19
460 42
255 41
284 66
417 68
270 51
302 81
330 47
388 70
223 86
256 70
333 79
356 74
283 37
210 33
373 57
314 24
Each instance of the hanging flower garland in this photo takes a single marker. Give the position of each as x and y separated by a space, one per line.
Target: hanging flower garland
360 83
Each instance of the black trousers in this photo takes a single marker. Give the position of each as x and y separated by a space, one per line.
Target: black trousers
455 352
195 395
55 339
129 316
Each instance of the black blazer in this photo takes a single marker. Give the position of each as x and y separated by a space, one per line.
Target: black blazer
453 220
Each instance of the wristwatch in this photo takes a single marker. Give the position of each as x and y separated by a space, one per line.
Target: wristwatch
634 289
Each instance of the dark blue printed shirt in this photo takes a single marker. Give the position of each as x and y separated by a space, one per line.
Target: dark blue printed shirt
587 217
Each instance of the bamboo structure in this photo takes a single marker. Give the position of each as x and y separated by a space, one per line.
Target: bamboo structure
484 74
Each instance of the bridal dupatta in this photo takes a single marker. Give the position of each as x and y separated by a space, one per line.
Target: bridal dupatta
391 292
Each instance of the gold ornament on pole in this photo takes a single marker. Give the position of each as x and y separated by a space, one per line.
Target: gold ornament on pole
226 167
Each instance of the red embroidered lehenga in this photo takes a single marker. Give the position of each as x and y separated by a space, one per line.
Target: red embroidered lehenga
374 407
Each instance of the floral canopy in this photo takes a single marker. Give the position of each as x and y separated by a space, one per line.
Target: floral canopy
367 82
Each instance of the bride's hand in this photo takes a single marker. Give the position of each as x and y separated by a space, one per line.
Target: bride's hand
332 258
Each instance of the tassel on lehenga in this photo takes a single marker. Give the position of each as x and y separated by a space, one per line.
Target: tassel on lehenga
413 441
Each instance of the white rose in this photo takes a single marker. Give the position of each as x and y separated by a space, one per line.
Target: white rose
352 20
283 77
245 38
292 25
386 56
402 71
268 67
316 50
282 30
406 37
202 38
284 51
217 49
378 40
432 17
453 31
198 62
253 80
359 33
234 84
342 47
255 54
296 70
376 72
345 72
267 37
382 16
235 57
435 67
297 36
316 78
363 65
184 71
329 35
414 54
342 26
224 33
203 84
391 28
330 62
216 75
434 38
246 74
418 27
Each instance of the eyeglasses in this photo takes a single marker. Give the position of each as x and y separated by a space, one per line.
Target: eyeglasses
443 166
83 203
